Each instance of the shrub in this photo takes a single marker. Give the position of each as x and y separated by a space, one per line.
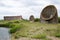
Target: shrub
25 20
12 25
57 34
37 20
16 22
5 24
9 23
59 19
16 28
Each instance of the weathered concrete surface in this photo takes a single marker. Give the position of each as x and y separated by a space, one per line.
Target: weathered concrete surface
49 15
31 18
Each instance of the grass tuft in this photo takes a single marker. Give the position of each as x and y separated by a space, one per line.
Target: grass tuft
40 36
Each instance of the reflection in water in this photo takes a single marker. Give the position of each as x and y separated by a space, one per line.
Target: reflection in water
4 34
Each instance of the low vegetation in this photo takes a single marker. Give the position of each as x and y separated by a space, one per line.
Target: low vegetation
15 27
59 19
37 30
40 36
37 20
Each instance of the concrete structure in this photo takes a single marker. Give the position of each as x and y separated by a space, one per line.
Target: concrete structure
31 18
49 15
13 17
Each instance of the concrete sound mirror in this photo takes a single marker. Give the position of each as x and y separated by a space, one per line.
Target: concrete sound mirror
49 15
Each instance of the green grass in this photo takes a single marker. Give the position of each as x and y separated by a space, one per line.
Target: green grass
36 30
57 35
40 36
16 27
25 28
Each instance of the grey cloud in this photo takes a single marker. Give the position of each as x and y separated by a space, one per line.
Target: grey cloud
6 13
27 3
55 1
31 3
3 5
16 0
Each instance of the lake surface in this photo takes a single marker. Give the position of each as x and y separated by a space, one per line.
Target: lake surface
4 33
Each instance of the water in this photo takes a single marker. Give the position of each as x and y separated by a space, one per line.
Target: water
4 33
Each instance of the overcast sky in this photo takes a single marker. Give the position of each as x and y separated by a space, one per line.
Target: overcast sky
25 7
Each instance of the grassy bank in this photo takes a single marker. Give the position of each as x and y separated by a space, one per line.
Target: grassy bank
37 30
